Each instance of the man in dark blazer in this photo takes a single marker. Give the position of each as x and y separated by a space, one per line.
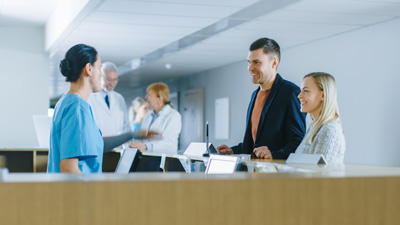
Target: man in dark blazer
275 126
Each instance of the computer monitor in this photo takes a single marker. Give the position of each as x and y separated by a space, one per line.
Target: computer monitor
128 161
42 127
221 164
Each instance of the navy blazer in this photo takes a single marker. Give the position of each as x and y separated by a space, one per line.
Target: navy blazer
282 126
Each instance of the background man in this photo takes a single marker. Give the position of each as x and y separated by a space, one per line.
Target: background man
109 107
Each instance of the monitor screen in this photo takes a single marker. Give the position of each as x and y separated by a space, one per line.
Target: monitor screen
221 164
126 160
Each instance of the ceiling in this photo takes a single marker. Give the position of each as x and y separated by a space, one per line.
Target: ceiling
17 12
153 40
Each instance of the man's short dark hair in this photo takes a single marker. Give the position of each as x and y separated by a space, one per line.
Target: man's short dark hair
269 46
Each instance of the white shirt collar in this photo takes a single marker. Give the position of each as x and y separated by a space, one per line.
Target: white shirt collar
165 109
104 92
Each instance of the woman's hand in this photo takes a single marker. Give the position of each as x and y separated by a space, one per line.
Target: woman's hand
146 134
138 145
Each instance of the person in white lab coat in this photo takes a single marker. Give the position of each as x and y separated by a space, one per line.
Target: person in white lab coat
109 107
163 119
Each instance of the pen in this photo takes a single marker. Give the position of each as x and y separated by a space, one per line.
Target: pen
208 150
207 154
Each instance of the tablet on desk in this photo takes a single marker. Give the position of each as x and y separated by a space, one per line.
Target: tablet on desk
212 149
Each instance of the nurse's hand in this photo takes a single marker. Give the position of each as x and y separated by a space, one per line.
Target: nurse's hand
138 145
146 134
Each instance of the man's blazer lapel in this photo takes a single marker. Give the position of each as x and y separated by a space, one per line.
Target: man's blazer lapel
250 109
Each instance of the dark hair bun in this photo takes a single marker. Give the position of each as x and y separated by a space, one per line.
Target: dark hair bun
75 60
66 67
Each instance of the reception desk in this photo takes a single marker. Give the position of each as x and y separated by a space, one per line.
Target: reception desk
24 159
293 194
35 159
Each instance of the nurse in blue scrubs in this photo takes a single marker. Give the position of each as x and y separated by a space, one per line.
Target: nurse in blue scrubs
76 144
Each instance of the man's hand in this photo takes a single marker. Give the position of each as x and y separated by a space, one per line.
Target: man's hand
224 150
263 152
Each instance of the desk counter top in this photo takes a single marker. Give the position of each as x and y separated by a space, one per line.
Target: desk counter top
303 195
279 170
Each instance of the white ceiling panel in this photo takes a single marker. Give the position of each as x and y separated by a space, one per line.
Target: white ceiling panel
378 0
275 26
240 46
174 9
151 20
247 34
230 50
239 3
324 17
136 29
110 43
124 37
377 8
131 50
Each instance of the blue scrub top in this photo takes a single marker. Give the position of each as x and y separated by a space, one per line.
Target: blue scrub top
135 126
74 133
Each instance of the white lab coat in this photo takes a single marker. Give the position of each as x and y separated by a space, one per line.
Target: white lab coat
111 121
169 124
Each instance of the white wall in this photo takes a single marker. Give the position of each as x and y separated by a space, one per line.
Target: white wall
24 80
366 64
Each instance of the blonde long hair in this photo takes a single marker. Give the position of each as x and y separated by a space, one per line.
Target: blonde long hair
330 108
161 90
136 103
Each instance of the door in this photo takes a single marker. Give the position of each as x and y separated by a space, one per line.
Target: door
192 117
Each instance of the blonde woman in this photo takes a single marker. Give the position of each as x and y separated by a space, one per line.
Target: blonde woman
325 135
138 109
163 119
